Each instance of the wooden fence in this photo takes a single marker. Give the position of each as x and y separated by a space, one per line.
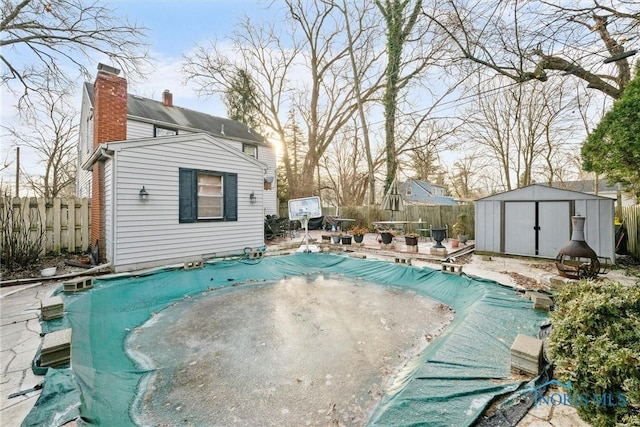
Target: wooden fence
631 221
436 216
66 223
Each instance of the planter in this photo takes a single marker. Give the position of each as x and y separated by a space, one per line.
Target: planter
438 234
336 239
387 238
346 240
358 238
411 240
326 238
454 243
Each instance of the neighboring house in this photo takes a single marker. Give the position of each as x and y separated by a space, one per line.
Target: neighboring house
209 180
604 189
418 192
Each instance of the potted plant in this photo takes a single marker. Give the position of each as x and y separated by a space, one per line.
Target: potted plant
335 237
459 228
411 239
387 236
358 233
346 239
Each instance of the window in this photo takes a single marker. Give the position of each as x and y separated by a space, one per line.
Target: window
210 196
207 196
160 131
251 150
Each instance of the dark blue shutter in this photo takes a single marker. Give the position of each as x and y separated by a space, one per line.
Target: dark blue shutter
188 189
231 197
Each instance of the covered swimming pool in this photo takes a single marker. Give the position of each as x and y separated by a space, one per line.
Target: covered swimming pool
427 375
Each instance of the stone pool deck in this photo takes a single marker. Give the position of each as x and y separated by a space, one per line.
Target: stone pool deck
20 326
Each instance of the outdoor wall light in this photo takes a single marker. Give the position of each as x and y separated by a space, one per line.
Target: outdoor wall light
143 194
252 197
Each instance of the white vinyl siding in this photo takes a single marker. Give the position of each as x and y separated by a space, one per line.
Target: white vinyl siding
108 208
267 154
148 233
85 147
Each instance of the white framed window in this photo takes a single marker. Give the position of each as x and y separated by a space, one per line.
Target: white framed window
251 150
161 131
210 196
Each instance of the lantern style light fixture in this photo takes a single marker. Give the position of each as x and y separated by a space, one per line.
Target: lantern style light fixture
143 194
252 198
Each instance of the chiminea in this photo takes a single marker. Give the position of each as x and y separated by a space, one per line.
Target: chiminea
576 260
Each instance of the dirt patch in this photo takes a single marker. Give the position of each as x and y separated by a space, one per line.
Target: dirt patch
33 270
524 281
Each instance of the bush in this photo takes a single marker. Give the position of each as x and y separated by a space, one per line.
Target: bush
20 245
595 344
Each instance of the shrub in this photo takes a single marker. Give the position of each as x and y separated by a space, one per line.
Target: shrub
20 243
595 344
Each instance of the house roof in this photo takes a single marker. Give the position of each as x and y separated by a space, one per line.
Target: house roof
430 198
538 192
152 111
587 186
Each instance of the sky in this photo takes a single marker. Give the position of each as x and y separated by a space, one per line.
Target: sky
173 29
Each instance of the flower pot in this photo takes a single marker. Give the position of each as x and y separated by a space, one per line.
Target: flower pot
411 240
455 243
346 240
358 238
387 238
326 238
336 239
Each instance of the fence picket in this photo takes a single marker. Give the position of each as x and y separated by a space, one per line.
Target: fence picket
631 220
65 222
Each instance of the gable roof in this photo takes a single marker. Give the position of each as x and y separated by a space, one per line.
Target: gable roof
538 192
152 111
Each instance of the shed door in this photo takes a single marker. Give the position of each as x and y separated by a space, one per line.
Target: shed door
554 222
519 228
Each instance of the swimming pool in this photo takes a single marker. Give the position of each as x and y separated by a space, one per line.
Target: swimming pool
450 382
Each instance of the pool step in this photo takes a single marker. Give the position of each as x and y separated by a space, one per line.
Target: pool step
451 268
78 284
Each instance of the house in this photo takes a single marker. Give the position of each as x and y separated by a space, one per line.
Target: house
536 221
418 192
604 189
169 184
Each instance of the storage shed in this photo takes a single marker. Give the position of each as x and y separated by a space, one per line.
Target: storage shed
536 221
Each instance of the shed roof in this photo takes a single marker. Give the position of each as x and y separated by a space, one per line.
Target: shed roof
154 111
538 192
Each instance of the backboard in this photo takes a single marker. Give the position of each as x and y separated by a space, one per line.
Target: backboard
308 205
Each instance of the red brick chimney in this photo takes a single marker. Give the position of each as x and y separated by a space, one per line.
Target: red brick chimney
167 98
109 124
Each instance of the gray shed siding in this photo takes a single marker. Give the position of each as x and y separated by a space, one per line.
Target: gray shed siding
504 222
148 234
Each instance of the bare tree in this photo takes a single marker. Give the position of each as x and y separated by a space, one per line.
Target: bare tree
521 130
306 69
42 40
51 130
527 41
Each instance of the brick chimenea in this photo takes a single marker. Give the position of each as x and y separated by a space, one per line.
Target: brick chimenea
110 124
